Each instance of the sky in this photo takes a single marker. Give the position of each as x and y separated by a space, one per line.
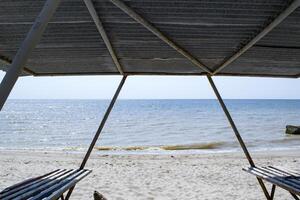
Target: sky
153 87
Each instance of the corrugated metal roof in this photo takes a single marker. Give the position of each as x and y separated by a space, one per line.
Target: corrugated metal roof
210 30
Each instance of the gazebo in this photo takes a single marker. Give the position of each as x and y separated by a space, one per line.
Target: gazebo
154 37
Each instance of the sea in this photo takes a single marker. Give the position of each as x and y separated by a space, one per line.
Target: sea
148 126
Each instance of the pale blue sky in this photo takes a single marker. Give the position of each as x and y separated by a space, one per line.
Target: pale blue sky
153 87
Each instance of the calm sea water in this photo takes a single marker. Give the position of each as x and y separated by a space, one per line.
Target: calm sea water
156 126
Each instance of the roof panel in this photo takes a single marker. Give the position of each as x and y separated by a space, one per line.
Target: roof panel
277 53
210 30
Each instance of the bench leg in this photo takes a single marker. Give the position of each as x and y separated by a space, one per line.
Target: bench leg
273 191
295 196
263 187
69 193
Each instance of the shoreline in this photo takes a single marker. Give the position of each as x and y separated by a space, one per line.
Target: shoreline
162 152
192 176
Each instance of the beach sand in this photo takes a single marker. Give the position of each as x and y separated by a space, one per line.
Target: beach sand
135 177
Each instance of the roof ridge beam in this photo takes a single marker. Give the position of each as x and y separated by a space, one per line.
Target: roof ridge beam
138 18
90 6
283 15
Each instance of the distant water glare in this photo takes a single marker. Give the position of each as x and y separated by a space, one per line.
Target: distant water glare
156 126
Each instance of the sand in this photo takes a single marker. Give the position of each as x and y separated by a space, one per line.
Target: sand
202 176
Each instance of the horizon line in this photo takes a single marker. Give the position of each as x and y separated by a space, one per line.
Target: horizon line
153 99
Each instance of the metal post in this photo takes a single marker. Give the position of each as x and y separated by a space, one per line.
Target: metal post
237 134
20 59
110 107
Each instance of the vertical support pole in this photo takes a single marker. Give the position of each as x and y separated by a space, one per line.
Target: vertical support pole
21 57
236 132
110 107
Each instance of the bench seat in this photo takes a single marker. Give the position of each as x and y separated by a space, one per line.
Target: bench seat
284 178
48 186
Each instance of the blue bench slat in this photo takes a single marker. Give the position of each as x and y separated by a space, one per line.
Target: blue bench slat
36 190
285 179
286 175
18 190
67 186
58 185
25 183
291 172
36 185
281 177
54 183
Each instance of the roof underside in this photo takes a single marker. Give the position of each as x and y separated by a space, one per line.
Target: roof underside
210 30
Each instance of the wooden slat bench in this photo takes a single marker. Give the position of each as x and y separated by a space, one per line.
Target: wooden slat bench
284 178
49 186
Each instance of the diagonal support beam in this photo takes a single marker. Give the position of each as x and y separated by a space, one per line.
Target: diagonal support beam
291 8
101 126
237 134
129 11
20 59
89 4
234 128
